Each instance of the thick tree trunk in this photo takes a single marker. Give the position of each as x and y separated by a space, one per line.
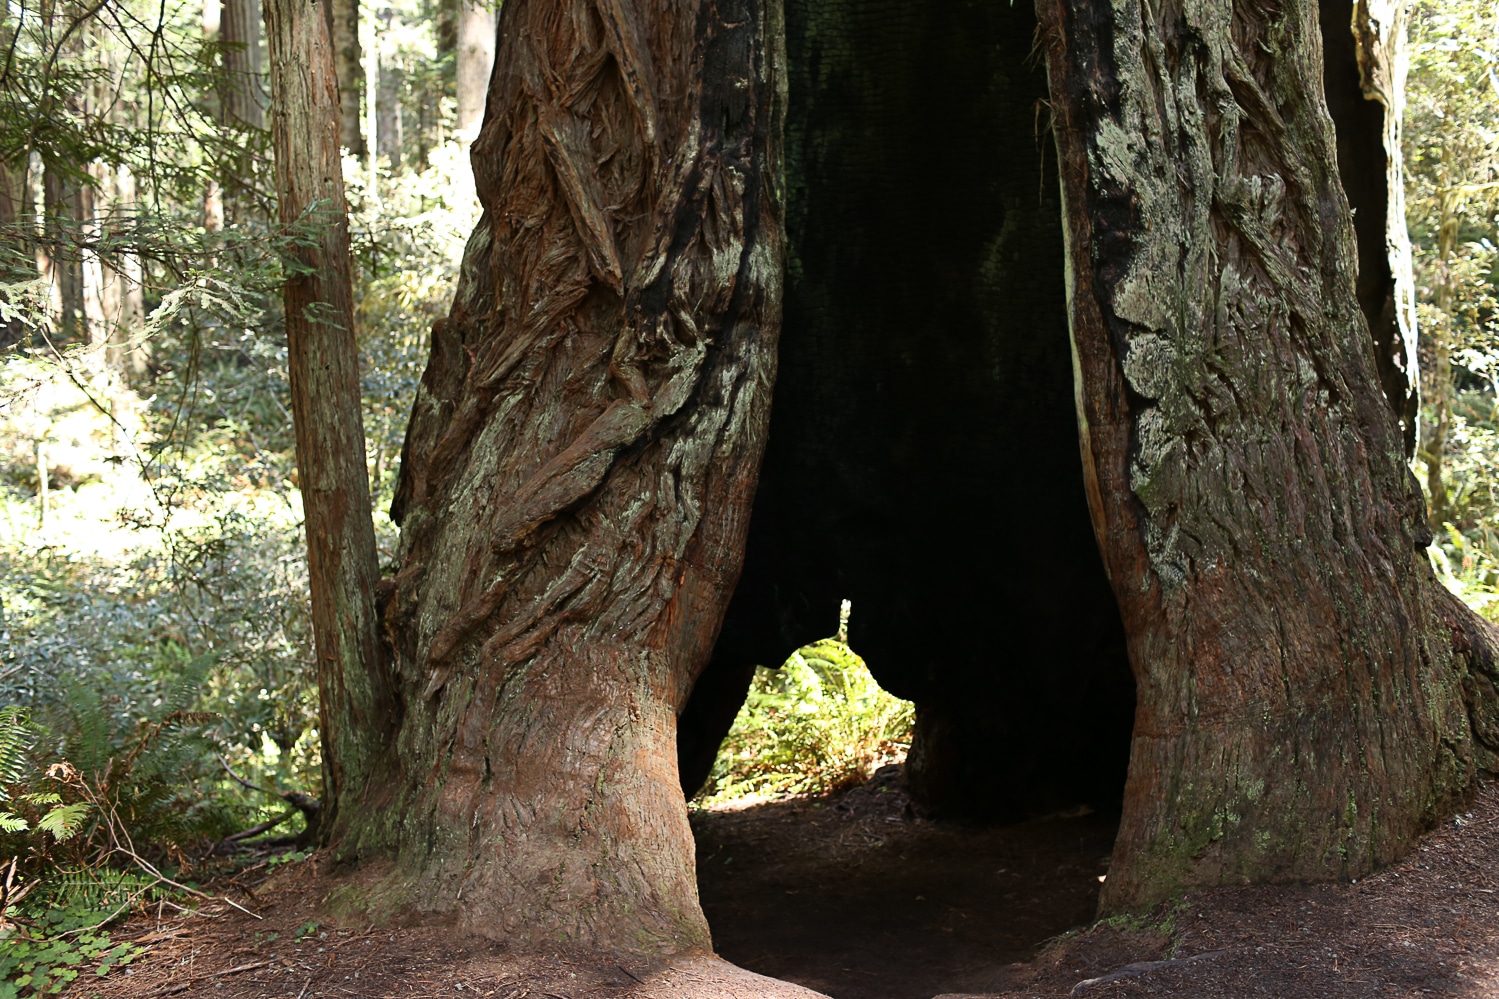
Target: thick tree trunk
1310 698
1364 67
578 473
323 364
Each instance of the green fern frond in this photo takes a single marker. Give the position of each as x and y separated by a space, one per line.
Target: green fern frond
12 823
15 746
64 821
185 691
89 743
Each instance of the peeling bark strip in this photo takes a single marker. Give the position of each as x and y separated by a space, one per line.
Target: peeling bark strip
578 471
323 364
1308 693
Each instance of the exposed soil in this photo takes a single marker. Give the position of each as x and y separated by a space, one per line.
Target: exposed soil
856 897
855 926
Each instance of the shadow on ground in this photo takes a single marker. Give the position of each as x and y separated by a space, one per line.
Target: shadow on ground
856 897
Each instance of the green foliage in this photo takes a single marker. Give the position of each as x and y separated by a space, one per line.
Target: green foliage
46 961
1452 200
818 723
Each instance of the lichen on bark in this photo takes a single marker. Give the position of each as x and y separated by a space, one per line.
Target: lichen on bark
1304 707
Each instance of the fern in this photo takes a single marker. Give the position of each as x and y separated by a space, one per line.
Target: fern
15 744
64 821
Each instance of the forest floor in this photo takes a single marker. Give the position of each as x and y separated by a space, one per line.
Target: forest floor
856 897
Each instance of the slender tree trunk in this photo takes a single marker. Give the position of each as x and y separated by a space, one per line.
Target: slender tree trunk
1310 698
213 193
476 37
1438 382
63 211
323 363
577 477
14 262
239 30
344 23
391 140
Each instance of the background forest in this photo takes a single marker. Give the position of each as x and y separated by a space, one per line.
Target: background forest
157 698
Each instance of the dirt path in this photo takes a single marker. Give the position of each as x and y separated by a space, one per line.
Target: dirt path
856 897
856 928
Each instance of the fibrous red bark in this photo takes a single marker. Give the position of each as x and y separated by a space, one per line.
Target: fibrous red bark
1310 698
577 475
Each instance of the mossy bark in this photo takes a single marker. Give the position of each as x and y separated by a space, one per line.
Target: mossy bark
577 476
1310 698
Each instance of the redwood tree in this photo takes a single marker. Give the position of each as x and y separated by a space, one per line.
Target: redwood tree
1310 699
579 468
577 476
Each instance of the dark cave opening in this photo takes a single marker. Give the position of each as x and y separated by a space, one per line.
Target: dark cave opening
923 461
923 457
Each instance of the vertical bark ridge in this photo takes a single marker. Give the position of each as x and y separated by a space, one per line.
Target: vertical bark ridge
1304 682
578 471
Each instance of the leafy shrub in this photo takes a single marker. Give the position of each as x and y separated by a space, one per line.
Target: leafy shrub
818 723
44 962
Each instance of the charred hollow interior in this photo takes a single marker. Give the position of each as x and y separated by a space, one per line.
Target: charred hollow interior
923 457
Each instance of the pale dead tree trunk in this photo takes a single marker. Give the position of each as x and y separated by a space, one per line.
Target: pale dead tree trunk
323 364
113 295
390 124
577 478
1310 698
126 273
213 193
370 46
344 15
476 36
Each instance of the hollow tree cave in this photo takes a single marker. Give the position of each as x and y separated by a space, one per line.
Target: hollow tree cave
923 457
1073 363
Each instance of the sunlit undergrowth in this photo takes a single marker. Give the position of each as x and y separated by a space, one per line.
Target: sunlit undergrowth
154 620
818 723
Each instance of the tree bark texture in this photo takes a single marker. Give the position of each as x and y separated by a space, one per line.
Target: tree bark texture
577 476
922 457
1310 698
323 364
